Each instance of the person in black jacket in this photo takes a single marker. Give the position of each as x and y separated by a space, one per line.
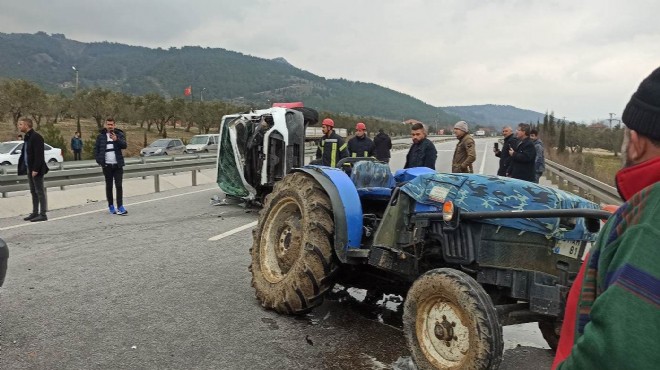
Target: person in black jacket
422 153
361 145
383 145
510 141
32 163
107 152
524 155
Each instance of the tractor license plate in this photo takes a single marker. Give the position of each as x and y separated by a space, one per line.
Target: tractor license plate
568 248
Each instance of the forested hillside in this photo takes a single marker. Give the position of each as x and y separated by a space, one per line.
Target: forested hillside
222 74
494 115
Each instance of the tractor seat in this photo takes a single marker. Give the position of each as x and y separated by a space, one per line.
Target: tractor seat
373 179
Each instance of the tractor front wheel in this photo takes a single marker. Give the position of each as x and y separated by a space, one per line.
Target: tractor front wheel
293 261
449 322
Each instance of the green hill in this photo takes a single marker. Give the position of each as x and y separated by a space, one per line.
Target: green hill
226 75
494 115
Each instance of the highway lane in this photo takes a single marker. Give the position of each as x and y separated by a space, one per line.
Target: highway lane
150 290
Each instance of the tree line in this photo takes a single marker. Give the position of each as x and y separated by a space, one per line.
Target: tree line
564 136
151 112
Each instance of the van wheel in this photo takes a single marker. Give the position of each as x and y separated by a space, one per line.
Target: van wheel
5 163
450 322
52 160
293 262
551 331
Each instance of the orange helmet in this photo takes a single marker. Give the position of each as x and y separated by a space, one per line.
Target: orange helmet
328 122
361 126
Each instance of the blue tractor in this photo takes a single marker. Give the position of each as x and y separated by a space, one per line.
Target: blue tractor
469 253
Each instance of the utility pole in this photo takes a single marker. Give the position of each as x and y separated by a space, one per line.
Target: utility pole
78 105
201 94
613 119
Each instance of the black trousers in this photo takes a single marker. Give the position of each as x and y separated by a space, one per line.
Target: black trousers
38 193
113 172
76 154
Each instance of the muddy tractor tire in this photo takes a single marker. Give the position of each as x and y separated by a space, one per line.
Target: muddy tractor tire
551 331
293 261
450 322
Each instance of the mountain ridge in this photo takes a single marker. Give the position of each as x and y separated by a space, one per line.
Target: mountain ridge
223 74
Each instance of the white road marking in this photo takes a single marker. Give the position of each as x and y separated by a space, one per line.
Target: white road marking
483 160
103 210
232 232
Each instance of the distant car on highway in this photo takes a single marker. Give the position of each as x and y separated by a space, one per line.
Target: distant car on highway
10 152
164 147
203 143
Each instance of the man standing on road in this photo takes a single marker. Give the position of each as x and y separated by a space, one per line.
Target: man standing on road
422 153
464 154
613 311
361 145
107 152
539 164
383 145
510 141
523 156
32 163
332 147
76 146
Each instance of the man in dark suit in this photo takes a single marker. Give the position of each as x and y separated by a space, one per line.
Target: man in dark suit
32 163
523 156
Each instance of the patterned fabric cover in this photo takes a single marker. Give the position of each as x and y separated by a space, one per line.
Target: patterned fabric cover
473 193
370 174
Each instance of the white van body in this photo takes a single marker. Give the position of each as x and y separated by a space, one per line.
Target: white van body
203 143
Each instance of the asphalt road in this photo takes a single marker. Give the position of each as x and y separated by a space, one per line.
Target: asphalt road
149 290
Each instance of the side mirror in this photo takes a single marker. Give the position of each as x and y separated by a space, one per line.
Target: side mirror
17 151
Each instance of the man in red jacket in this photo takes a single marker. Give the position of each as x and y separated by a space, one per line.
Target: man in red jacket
613 310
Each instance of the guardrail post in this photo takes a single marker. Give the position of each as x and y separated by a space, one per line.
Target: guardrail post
194 177
61 168
142 161
157 183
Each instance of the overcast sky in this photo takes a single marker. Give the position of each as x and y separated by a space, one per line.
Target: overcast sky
582 59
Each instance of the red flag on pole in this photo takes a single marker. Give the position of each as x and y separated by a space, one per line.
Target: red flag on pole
187 91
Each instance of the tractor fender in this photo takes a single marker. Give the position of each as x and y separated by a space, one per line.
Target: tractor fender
346 207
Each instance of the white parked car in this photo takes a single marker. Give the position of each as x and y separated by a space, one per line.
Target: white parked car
203 143
10 152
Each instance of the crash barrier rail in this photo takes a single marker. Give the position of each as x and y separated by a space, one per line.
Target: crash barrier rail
580 184
76 173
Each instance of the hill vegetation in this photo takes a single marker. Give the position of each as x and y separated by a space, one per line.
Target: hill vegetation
223 75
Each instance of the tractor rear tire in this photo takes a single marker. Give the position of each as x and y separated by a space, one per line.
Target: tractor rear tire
293 261
450 322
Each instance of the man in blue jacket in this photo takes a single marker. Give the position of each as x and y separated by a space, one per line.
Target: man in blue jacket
107 152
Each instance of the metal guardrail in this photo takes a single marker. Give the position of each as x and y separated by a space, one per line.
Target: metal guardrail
84 172
581 184
75 173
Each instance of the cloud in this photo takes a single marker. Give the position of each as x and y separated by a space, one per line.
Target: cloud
581 59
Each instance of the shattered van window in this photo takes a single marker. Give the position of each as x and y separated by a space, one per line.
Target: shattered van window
228 176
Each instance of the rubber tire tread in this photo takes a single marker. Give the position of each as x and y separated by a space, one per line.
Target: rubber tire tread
487 346
311 275
549 334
